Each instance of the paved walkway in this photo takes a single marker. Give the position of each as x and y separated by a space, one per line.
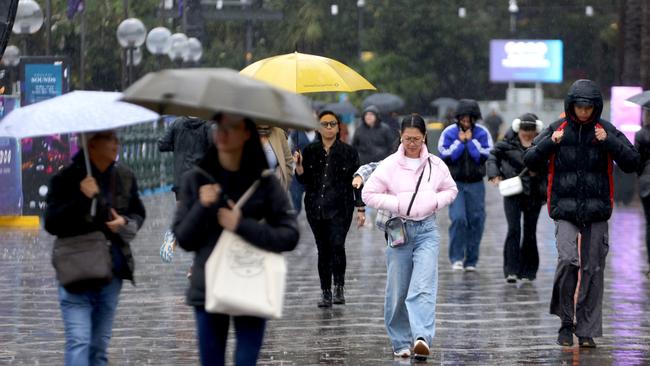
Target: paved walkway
481 320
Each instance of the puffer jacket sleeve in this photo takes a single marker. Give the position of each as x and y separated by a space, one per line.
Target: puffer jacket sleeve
279 231
536 157
493 163
375 190
193 221
166 143
624 153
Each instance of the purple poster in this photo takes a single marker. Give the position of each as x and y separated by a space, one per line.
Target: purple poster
10 194
626 116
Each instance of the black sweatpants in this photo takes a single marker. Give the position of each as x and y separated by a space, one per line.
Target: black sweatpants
646 210
520 257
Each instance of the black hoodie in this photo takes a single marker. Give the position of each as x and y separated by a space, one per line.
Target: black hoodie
374 143
580 181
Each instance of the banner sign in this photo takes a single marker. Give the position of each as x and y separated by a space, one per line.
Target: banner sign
533 60
626 116
41 157
10 194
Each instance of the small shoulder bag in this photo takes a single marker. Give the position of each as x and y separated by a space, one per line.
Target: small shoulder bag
395 229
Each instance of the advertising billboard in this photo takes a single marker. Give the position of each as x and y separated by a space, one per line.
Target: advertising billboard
626 116
526 60
41 157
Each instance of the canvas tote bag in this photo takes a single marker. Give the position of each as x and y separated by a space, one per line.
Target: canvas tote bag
242 279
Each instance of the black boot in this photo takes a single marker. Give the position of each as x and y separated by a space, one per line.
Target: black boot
326 299
339 295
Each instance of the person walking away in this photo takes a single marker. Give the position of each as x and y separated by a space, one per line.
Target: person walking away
494 121
580 150
520 255
373 140
425 187
188 138
278 156
298 139
207 207
465 146
88 309
642 144
325 168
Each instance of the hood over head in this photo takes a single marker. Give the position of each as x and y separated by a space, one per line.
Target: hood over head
468 107
583 92
371 109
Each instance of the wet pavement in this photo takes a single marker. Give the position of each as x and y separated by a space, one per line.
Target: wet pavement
480 319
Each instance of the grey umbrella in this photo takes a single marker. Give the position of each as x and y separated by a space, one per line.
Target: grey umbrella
341 108
204 92
642 99
385 102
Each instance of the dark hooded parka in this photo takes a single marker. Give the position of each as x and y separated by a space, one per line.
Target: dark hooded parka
376 142
580 181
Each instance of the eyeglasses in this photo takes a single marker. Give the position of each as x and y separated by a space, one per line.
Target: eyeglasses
224 127
328 124
413 140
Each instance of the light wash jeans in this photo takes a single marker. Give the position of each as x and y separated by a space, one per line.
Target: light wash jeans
88 322
467 215
412 285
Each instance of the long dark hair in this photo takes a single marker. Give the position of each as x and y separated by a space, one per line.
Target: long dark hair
338 123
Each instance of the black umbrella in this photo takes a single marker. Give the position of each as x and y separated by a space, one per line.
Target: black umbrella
642 99
445 103
341 108
385 102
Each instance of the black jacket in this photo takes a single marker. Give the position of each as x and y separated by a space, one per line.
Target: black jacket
642 144
580 167
328 180
374 143
189 139
68 209
197 229
506 160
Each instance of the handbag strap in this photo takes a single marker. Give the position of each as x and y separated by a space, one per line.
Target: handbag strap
417 186
523 172
249 192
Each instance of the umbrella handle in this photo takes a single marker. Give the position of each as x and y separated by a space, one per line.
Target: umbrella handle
84 146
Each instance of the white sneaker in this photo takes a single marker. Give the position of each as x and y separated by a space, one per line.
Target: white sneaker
404 353
457 266
421 348
511 278
167 248
470 269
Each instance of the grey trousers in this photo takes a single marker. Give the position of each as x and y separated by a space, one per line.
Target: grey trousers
594 248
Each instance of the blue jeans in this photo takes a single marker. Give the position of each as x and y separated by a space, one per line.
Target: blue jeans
88 322
212 330
412 285
297 190
467 215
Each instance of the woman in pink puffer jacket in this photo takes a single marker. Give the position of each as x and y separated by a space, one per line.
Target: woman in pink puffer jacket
412 278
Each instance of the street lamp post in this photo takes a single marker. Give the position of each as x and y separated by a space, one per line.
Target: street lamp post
29 19
11 59
513 9
360 5
195 51
179 48
131 33
159 43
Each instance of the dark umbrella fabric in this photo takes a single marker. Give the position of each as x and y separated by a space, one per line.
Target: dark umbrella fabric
385 102
642 99
341 108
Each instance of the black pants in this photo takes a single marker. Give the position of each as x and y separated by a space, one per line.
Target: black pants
520 257
330 240
591 262
646 210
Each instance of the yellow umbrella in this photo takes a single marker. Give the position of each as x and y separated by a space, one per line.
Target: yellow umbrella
304 73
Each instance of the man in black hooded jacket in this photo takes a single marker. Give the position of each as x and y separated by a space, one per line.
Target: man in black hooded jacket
580 150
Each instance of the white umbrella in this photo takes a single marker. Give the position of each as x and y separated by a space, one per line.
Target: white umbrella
78 111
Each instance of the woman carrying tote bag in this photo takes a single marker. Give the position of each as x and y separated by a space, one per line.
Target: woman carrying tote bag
207 207
520 257
412 278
